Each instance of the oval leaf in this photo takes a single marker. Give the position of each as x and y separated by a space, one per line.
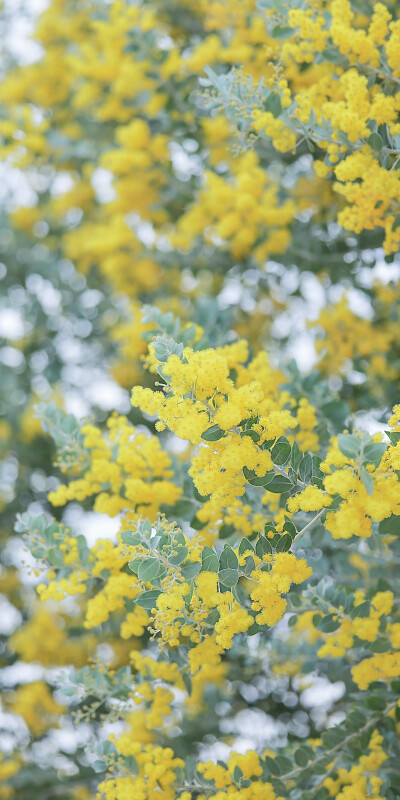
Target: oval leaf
229 577
148 599
228 558
256 480
190 571
263 546
367 480
179 556
213 434
284 544
209 560
281 451
279 484
349 444
328 624
148 569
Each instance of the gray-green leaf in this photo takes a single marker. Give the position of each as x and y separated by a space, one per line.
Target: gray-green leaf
148 569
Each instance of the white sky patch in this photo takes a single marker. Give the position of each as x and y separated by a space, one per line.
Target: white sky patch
102 182
11 324
19 34
108 395
11 357
10 618
322 693
91 525
253 729
61 183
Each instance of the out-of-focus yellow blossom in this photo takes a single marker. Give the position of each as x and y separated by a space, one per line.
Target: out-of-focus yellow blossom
36 705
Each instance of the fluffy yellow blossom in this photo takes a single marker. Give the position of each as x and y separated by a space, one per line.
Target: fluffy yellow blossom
122 467
267 596
243 211
232 619
207 652
36 705
385 667
311 499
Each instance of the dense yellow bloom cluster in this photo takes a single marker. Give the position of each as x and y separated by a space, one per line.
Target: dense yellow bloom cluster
157 772
157 767
112 598
202 394
174 618
347 338
385 666
343 101
36 705
368 622
44 639
249 41
311 499
239 213
359 507
74 585
267 597
362 777
365 628
373 196
125 459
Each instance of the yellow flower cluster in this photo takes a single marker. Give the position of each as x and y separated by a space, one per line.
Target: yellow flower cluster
358 508
267 596
36 705
372 194
249 41
240 212
202 394
174 618
45 639
123 466
249 764
343 101
157 774
311 499
168 617
361 780
365 628
385 666
348 338
307 420
112 598
373 623
74 585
